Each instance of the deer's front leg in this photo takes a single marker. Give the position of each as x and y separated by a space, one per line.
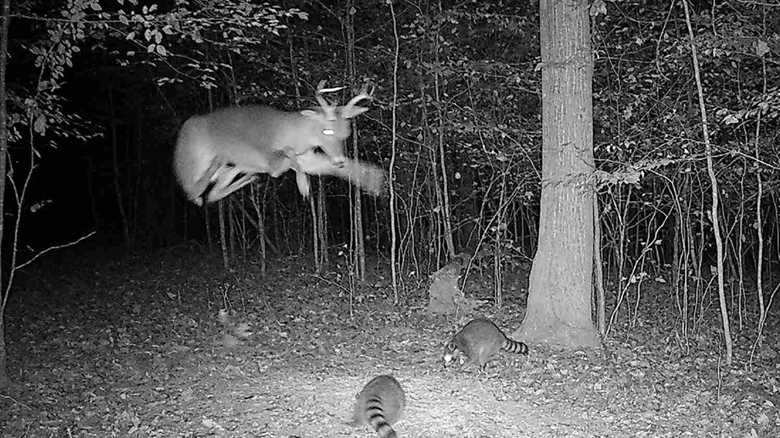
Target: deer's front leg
367 176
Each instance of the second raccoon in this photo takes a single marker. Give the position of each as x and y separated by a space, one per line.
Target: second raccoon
479 341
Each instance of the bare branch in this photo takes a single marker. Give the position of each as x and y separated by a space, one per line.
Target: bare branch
54 248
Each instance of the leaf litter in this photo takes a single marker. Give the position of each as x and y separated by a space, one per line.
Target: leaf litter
171 345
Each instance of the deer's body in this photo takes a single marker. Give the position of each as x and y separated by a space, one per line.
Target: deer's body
229 146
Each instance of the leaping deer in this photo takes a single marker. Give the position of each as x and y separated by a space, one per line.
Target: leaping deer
227 148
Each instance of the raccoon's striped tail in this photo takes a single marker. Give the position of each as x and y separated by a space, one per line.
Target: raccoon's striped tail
375 415
516 347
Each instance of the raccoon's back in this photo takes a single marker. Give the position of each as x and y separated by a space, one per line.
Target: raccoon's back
479 340
380 404
480 335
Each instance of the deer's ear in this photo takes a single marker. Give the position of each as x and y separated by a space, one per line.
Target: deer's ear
310 113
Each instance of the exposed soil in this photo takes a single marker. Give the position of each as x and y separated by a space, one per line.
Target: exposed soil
102 345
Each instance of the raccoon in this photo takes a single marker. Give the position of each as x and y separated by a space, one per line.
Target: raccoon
379 404
479 341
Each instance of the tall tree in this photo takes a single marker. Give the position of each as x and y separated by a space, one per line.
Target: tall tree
38 112
559 293
6 14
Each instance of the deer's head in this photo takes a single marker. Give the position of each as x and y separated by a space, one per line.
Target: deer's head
334 121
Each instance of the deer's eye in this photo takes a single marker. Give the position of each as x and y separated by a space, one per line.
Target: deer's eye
327 131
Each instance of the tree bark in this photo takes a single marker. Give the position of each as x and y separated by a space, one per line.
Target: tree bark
5 289
357 233
714 212
322 224
442 193
223 235
559 298
393 150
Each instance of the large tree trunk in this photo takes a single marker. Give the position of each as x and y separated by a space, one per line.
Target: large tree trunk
559 304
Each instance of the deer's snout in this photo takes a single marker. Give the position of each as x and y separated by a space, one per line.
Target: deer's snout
338 161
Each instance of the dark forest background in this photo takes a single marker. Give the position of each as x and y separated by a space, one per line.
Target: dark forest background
468 102
97 91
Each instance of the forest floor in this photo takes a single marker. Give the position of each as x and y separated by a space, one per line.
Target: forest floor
104 346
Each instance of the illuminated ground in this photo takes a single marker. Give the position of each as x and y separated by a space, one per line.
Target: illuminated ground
106 347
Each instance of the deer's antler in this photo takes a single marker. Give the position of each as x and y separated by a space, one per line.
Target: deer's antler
364 94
